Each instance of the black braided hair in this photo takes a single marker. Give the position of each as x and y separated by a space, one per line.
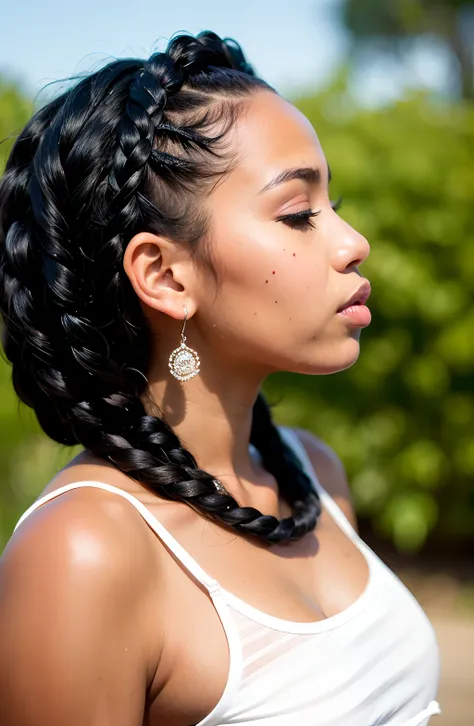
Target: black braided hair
128 148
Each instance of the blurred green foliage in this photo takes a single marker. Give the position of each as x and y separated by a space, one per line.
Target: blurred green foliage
397 27
401 419
15 110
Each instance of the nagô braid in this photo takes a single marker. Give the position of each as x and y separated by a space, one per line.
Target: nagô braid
113 156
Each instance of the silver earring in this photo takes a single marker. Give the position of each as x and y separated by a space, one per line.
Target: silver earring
184 362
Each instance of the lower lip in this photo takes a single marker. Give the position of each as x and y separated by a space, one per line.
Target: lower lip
357 315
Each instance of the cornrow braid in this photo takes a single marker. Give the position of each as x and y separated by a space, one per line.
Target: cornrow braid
127 149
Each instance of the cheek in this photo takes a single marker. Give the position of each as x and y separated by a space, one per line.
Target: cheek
274 275
279 266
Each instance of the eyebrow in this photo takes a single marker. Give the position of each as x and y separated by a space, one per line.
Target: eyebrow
308 174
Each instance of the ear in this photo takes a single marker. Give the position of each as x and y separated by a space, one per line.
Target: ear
160 273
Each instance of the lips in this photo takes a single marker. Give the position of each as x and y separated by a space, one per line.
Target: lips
360 297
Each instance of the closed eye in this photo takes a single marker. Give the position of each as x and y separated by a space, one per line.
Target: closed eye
302 220
299 220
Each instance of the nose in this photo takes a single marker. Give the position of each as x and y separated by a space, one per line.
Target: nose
350 247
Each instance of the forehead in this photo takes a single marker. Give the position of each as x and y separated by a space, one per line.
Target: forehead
270 135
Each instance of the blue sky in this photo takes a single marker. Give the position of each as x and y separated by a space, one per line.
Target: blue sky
292 44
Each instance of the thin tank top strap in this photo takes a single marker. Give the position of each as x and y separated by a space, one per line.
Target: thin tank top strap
168 540
293 440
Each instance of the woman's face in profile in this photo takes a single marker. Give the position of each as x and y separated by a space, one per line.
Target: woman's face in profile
284 275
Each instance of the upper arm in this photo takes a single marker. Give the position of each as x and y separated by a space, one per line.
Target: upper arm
72 649
330 472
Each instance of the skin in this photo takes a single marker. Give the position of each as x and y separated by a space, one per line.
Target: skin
98 624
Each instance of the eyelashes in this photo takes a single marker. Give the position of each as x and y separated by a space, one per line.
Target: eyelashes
299 220
302 221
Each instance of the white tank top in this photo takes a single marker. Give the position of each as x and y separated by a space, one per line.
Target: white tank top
374 664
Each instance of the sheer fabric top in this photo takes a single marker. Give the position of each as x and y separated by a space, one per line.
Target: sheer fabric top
374 664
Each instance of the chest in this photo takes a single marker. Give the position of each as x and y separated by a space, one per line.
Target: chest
364 647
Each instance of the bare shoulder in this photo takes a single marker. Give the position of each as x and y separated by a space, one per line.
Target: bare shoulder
89 526
73 592
86 539
330 471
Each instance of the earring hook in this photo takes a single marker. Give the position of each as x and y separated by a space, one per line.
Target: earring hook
183 337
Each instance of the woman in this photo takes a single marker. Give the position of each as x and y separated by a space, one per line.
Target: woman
167 241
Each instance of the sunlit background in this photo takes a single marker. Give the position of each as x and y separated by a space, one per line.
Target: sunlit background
389 87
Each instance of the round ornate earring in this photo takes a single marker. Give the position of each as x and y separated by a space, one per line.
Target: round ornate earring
184 362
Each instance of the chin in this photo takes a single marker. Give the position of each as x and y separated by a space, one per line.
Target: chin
337 358
349 354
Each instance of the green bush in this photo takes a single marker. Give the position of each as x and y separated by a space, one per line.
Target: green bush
402 419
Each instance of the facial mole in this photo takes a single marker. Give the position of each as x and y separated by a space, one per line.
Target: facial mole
273 272
294 254
266 280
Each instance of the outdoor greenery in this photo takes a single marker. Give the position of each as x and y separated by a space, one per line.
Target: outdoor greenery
397 27
402 419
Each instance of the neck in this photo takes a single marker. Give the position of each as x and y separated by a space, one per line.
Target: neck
212 416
